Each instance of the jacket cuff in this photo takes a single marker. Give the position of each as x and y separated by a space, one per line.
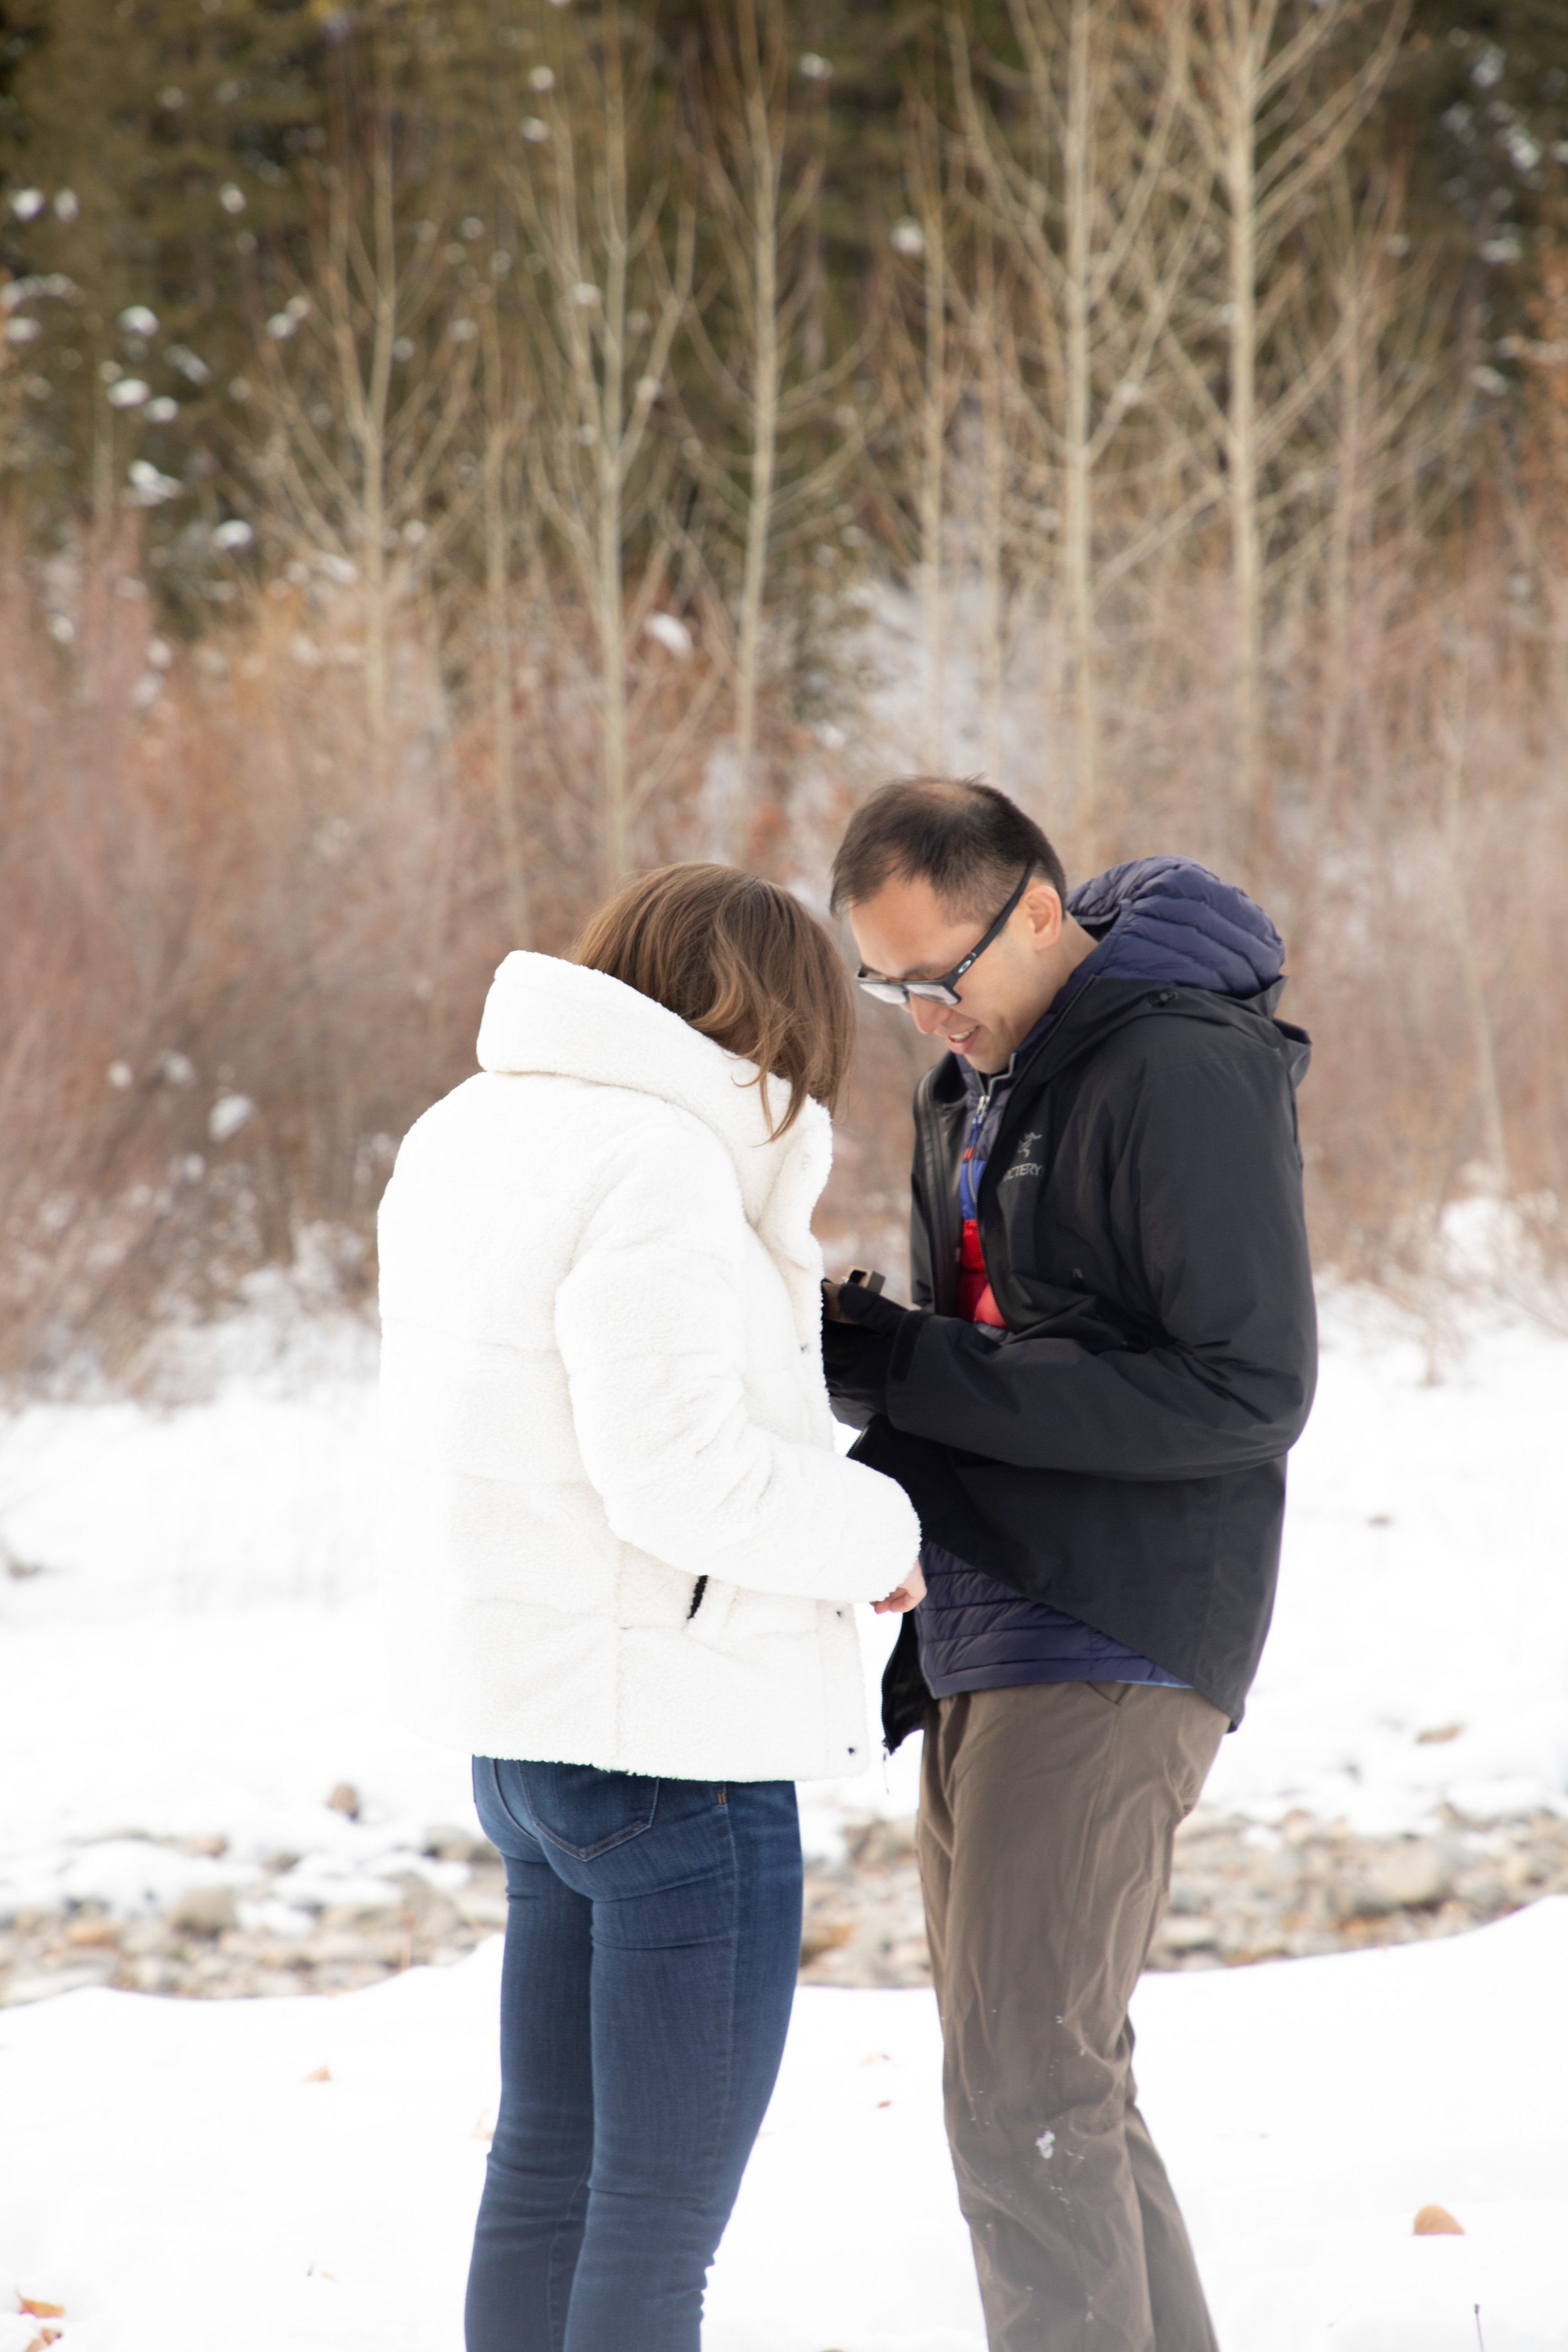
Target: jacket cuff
855 1363
905 1341
872 1311
868 1311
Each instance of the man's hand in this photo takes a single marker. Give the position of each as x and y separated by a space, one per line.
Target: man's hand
860 1329
909 1595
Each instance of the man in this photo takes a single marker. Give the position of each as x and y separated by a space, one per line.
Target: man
1110 1352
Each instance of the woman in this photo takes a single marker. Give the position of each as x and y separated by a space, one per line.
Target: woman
623 1552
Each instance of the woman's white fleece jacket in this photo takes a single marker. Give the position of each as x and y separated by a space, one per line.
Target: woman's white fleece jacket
601 1385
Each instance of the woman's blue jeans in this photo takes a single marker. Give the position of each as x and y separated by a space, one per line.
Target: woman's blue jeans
652 1941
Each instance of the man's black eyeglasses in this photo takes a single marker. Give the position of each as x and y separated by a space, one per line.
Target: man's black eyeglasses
945 990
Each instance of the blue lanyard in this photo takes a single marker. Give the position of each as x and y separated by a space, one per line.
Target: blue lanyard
970 1168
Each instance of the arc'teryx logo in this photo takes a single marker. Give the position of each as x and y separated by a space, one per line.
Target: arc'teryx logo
1022 1163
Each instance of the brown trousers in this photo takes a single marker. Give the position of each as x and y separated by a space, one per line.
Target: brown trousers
1047 1818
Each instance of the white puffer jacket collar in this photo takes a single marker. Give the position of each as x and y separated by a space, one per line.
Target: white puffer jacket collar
562 1020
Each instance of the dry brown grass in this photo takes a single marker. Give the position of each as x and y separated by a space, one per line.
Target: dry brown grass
223 891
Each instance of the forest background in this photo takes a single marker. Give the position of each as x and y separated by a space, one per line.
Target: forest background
452 453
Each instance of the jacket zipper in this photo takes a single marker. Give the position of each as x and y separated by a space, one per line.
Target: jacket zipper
983 1105
972 1141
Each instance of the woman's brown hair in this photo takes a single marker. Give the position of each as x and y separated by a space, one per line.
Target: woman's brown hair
742 961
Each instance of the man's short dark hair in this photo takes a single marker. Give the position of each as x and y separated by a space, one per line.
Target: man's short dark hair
965 839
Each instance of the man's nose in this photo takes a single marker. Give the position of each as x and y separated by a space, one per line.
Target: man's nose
927 1014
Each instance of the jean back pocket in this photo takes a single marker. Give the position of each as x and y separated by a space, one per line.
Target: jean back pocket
583 1811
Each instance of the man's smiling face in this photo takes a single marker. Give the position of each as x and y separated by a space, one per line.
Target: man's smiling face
907 932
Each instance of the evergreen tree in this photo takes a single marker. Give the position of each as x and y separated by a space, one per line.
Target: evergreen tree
145 148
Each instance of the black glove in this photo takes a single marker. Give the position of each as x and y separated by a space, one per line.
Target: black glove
858 1351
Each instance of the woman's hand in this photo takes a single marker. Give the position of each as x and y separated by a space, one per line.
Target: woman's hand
907 1595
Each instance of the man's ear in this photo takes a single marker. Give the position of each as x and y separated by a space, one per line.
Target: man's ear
1044 907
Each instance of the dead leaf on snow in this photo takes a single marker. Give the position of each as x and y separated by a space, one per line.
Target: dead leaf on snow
43 2339
36 2310
92 1931
322 2073
1436 2221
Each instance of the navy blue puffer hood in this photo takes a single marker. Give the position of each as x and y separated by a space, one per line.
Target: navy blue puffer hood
1170 920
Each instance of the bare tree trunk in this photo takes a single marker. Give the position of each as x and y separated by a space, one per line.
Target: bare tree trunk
383 337
498 538
1077 454
365 402
498 630
1337 589
933 488
611 578
1345 525
1240 159
102 463
1465 923
935 412
992 499
765 159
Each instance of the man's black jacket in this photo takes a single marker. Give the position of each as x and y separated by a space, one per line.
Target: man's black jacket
1118 1452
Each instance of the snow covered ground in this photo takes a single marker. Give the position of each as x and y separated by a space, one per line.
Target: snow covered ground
180 2176
197 1653
193 1662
